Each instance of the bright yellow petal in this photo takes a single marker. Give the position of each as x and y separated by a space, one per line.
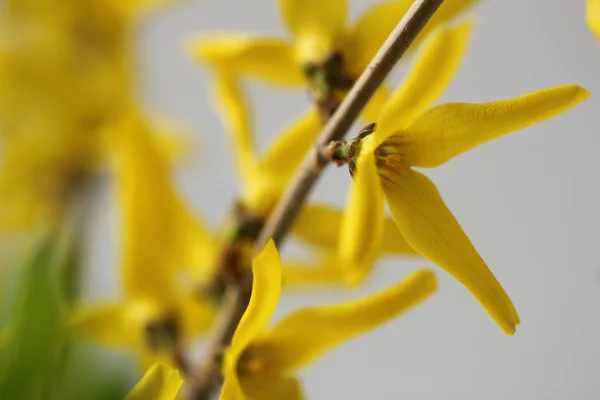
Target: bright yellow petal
593 16
375 26
362 226
233 107
426 81
306 334
431 229
319 225
109 324
317 25
266 287
451 129
159 383
269 59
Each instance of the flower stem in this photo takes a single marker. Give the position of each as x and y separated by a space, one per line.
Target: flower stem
206 383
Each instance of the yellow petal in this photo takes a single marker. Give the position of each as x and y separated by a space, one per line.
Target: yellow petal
320 225
159 383
451 129
273 388
269 59
373 28
323 271
284 156
231 389
280 163
157 245
426 81
593 16
266 287
314 16
109 324
362 226
306 334
233 107
196 316
373 108
431 229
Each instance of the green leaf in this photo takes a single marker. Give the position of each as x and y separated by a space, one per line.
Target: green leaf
33 356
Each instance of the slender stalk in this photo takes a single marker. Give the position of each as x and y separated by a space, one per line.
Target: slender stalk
281 219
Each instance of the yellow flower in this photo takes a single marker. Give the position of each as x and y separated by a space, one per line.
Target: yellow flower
64 72
319 32
162 243
409 135
160 382
324 52
593 16
259 363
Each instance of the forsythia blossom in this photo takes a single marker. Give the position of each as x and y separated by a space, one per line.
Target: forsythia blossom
259 362
409 134
162 241
324 52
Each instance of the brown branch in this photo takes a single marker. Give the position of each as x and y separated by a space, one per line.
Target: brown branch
281 219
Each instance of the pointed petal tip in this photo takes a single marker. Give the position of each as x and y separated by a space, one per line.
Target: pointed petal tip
582 93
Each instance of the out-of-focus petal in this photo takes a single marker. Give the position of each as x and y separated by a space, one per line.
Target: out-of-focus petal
306 334
160 382
362 226
109 324
431 229
280 163
231 389
319 225
373 108
196 316
308 16
273 388
157 245
317 26
429 77
269 59
450 129
373 28
322 271
593 16
289 149
235 114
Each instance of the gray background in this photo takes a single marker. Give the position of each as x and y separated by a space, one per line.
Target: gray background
529 202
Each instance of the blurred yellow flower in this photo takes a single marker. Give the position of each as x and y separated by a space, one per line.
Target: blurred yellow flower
160 382
324 52
259 360
64 73
593 16
409 135
162 243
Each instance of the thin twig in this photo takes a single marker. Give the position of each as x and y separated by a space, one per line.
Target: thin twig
281 219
